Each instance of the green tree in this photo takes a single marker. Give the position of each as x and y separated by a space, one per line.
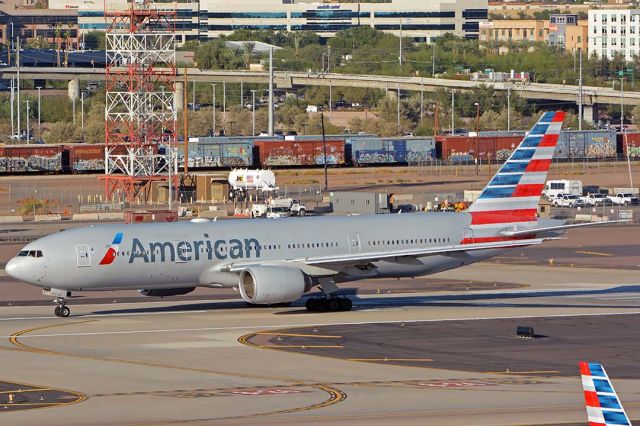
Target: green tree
61 132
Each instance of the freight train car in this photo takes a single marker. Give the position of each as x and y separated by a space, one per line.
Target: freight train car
83 158
388 151
465 149
597 144
298 152
629 141
31 158
217 153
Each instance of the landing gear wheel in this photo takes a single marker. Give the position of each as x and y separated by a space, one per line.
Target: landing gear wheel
333 304
62 311
345 304
311 304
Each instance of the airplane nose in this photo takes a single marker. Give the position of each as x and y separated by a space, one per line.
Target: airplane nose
13 268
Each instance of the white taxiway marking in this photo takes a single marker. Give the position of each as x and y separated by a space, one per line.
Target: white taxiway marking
262 327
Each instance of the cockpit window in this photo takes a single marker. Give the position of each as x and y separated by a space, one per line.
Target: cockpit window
31 253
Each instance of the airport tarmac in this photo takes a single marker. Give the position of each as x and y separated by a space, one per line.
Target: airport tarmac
425 354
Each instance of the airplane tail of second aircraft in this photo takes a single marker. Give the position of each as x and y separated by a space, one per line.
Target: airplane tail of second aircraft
603 406
511 197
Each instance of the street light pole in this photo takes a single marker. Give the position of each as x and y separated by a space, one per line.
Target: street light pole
253 112
82 115
18 84
509 109
580 92
213 110
324 147
453 104
398 111
39 112
13 99
27 120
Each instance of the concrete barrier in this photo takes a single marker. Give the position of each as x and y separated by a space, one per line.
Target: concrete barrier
211 214
111 216
85 216
11 219
47 217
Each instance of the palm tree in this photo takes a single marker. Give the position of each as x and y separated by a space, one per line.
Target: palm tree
57 32
249 48
67 44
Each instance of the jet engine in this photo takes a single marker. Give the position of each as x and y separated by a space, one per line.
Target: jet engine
265 285
164 292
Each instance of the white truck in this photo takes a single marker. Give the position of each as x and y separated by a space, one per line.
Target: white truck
596 199
279 207
295 207
554 188
567 200
624 199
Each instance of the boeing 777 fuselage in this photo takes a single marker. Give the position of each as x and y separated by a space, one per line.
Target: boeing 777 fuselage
277 261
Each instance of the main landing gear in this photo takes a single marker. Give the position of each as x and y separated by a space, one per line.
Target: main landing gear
61 309
328 304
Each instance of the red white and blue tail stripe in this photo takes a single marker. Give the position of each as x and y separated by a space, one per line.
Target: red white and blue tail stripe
603 406
513 194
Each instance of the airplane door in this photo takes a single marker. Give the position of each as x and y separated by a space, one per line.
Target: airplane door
354 243
467 236
83 256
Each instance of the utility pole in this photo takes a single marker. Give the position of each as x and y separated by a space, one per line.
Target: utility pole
253 112
622 103
193 96
271 91
398 112
28 120
18 84
39 112
453 104
224 103
400 53
324 145
422 100
82 115
433 60
13 99
509 109
330 99
328 59
241 94
213 110
580 92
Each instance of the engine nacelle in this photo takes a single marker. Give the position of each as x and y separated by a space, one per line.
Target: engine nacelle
265 285
164 292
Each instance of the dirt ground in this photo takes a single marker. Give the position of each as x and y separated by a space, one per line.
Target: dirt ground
400 179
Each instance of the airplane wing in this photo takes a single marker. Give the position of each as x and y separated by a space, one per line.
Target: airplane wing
603 406
337 262
520 232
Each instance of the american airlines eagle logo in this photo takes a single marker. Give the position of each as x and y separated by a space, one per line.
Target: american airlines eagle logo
112 251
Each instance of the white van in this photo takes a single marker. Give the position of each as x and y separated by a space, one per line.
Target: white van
553 188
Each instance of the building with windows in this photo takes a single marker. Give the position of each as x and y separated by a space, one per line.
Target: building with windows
614 32
567 32
514 31
54 26
205 19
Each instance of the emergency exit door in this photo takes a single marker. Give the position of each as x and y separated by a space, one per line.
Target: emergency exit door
354 243
83 255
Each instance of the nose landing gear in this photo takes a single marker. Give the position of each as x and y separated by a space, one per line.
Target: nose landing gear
61 309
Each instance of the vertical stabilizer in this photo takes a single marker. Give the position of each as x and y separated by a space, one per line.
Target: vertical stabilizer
603 406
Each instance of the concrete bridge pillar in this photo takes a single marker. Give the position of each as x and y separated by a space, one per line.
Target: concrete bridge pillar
392 94
590 113
73 89
178 96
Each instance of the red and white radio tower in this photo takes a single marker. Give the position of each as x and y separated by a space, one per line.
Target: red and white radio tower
140 112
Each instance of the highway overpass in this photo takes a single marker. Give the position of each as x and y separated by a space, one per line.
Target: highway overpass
592 96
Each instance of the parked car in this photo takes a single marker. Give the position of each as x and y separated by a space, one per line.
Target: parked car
277 212
567 200
596 199
624 199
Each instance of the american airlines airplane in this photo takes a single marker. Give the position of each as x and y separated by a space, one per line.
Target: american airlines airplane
277 261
